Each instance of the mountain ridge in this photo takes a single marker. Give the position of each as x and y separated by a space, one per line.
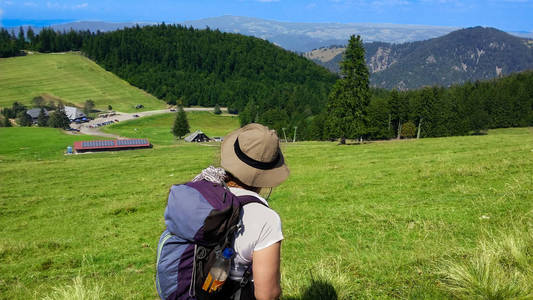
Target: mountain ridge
476 53
294 36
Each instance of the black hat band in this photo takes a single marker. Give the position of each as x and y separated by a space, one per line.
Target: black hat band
255 163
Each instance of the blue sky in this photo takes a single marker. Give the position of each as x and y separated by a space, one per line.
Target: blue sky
508 15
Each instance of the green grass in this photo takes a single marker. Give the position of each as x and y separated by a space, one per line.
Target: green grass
158 128
379 220
30 143
70 77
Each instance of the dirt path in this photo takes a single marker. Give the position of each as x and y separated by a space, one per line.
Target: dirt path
90 128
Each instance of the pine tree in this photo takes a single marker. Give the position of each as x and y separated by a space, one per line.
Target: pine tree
217 110
181 125
350 96
59 118
6 122
23 119
88 106
42 119
31 36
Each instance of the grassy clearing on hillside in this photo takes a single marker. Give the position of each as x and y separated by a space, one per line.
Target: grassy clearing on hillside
70 77
158 128
380 220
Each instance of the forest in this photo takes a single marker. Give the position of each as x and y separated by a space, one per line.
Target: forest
266 84
470 108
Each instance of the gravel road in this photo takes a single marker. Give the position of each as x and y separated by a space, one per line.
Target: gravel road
85 128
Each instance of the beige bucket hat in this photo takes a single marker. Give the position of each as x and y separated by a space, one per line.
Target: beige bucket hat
252 154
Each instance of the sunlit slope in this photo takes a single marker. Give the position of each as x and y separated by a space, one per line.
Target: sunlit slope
70 77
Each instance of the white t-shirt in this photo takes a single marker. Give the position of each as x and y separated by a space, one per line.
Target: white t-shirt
260 228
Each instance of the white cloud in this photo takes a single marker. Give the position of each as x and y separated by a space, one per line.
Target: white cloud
30 4
57 5
81 6
53 5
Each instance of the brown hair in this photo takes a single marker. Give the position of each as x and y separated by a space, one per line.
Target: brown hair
232 181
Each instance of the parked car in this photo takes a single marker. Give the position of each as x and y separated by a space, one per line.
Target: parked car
172 109
135 116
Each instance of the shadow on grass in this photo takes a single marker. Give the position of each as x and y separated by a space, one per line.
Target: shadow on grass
317 289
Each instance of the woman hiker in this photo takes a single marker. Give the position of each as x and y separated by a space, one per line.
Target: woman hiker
252 162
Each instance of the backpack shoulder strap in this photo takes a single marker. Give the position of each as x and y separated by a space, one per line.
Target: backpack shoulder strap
247 199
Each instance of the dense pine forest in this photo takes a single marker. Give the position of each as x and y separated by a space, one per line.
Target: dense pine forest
267 84
470 108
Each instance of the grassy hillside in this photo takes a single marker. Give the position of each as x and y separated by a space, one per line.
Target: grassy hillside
380 220
70 77
158 128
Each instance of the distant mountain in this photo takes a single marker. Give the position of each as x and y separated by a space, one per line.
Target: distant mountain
302 37
298 37
463 55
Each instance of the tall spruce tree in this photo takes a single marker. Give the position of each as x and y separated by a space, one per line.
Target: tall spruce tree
350 96
42 119
6 122
181 125
59 118
23 119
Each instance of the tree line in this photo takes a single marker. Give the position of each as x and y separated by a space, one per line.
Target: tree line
470 108
48 40
266 84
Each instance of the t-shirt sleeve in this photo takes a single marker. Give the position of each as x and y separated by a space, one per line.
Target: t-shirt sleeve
271 231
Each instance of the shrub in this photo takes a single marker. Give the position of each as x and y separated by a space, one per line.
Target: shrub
408 130
23 119
217 110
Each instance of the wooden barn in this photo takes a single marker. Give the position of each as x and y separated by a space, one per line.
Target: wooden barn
111 145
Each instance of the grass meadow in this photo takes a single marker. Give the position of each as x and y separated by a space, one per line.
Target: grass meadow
70 77
158 128
412 219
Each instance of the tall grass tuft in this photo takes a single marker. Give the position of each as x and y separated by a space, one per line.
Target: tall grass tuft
500 268
78 290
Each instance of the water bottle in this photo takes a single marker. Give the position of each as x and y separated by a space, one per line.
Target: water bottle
219 271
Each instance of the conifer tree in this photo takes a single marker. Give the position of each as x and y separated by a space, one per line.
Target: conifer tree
42 119
6 122
23 119
181 125
350 96
31 36
217 110
59 118
88 106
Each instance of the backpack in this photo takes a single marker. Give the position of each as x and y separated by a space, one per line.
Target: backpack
201 219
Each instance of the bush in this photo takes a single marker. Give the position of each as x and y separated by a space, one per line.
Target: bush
217 110
408 130
23 119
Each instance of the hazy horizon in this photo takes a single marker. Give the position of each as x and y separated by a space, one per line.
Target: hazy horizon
507 15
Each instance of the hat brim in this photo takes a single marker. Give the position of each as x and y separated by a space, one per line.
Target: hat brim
247 174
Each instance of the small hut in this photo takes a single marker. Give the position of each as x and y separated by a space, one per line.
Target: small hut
198 137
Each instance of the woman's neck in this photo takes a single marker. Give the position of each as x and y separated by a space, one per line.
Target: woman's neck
234 184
